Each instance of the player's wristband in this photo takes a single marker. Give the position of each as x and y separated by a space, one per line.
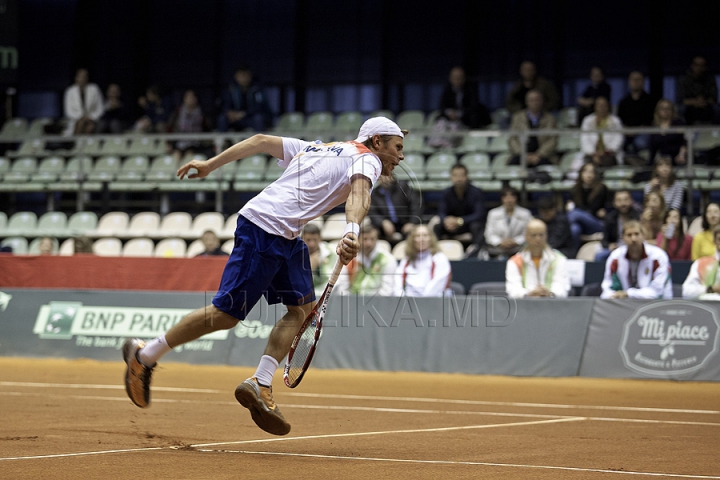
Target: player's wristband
352 228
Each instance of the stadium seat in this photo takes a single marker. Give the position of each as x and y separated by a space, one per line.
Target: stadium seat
432 118
228 230
171 248
143 224
14 129
383 113
291 122
483 288
567 117
453 249
67 248
34 148
138 247
472 142
478 165
115 146
568 159
163 168
21 170
107 247
334 227
398 250
4 166
34 247
133 168
52 224
37 127
438 165
457 288
251 168
175 224
22 224
208 221
89 146
80 223
411 120
146 146
412 168
19 245
105 169
500 162
591 290
3 221
568 142
228 245
499 144
500 117
415 143
319 122
77 168
111 224
384 245
49 170
348 123
587 252
195 248
707 140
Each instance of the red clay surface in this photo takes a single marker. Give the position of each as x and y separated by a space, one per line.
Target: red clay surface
71 419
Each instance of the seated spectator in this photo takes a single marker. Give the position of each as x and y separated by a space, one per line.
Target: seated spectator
461 210
505 228
212 245
116 118
529 80
540 149
702 281
604 149
614 220
83 105
425 271
671 145
704 242
672 237
664 182
82 245
587 208
636 109
597 88
46 246
154 113
653 215
395 208
188 118
460 109
637 269
698 93
372 271
322 257
558 227
537 270
244 105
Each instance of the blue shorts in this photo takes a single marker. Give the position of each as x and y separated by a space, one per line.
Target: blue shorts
263 264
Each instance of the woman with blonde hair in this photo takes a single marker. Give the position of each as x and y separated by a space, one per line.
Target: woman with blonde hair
425 271
671 145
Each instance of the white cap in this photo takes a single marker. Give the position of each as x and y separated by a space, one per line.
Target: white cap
379 126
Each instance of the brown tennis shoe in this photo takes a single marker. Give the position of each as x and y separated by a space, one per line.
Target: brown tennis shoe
259 400
137 374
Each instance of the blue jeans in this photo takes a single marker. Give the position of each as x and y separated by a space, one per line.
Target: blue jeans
583 222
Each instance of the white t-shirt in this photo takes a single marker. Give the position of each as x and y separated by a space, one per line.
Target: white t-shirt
316 179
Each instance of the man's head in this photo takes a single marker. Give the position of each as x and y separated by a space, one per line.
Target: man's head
385 139
210 240
311 236
596 75
81 77
602 107
190 99
113 91
368 239
623 201
698 65
632 235
528 72
243 76
536 235
636 82
458 176
547 208
534 102
457 77
509 197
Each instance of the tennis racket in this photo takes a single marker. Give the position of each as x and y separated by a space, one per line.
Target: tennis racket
306 340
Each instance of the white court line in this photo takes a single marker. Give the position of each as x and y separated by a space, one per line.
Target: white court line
82 454
381 398
483 464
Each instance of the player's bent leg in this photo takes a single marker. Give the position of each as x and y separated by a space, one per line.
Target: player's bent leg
198 323
284 331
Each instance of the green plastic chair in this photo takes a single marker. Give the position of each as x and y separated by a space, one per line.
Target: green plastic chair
4 166
319 122
473 143
89 146
412 168
411 120
34 147
707 140
37 127
80 223
21 170
22 224
133 169
19 245
105 169
499 144
163 168
14 129
115 146
383 113
49 170
53 224
415 143
439 164
146 146
568 142
348 122
77 168
251 168
291 122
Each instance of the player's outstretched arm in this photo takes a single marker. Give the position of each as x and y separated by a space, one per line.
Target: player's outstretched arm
260 143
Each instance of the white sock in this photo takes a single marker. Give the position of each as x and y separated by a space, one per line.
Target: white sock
266 370
153 350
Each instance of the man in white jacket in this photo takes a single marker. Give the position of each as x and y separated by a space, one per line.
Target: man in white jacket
703 281
637 269
83 105
537 270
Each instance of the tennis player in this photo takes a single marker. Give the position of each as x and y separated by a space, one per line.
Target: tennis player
268 258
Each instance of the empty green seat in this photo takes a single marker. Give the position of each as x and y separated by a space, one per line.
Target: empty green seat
500 161
412 168
89 146
473 143
146 146
34 147
383 113
568 142
415 144
251 168
37 127
291 122
115 146
348 122
22 224
499 144
319 122
439 164
52 224
133 169
3 221
49 170
77 168
105 169
14 129
4 166
21 170
411 120
81 223
707 140
163 169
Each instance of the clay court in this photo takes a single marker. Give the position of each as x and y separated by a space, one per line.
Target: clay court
71 419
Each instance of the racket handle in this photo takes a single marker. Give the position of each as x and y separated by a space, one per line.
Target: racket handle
336 272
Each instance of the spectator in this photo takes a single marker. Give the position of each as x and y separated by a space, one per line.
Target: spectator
540 149
244 105
461 210
653 215
529 80
425 271
558 228
671 145
83 245
637 269
698 93
597 88
83 105
604 149
322 257
587 209
505 228
395 207
154 113
663 181
188 118
703 243
372 271
702 279
47 246
116 118
212 245
614 220
636 109
672 237
537 270
460 109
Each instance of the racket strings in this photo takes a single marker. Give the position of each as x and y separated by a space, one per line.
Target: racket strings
305 346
